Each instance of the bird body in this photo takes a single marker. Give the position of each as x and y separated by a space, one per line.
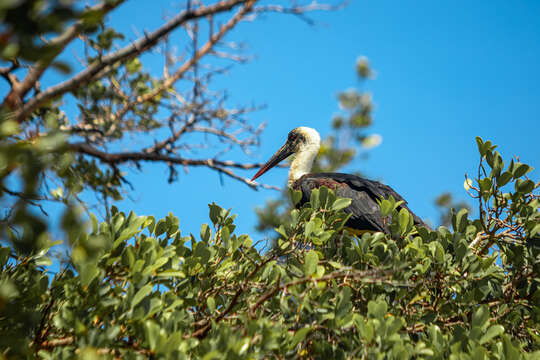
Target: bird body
364 193
365 213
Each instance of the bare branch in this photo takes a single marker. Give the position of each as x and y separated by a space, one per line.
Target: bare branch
206 48
223 134
313 6
129 51
299 10
175 136
28 198
221 166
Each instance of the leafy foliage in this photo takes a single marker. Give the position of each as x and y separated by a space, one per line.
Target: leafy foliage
60 142
139 288
135 287
24 21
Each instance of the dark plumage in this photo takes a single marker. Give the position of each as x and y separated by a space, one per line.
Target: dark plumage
366 214
305 142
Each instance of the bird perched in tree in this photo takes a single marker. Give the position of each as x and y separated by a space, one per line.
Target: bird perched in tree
305 142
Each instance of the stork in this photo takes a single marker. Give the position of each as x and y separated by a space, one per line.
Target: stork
304 142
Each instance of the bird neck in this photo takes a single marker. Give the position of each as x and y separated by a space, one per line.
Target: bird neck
302 163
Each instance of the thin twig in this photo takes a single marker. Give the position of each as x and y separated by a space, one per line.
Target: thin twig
218 165
142 44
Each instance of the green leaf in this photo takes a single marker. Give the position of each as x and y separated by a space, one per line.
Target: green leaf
161 227
485 184
225 234
92 17
498 163
206 233
480 144
159 262
94 221
310 262
521 169
112 332
43 261
150 223
489 158
510 350
314 199
403 220
281 231
396 203
295 196
535 230
439 253
133 65
493 331
141 294
174 342
8 290
524 186
344 304
313 226
461 220
201 251
386 207
300 335
4 255
366 330
480 317
377 309
341 203
394 324
215 212
128 257
152 331
130 230
211 303
504 178
172 273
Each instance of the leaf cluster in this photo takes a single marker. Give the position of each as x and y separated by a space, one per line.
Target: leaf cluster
137 288
63 142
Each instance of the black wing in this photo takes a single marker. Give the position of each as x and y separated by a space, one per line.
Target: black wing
364 193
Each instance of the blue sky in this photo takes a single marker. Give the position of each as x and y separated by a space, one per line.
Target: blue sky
446 72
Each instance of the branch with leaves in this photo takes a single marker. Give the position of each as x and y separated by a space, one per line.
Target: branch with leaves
503 219
110 99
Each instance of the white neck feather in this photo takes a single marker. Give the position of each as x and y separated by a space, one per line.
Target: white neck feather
305 156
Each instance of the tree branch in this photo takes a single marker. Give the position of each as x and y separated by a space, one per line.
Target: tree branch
129 51
193 60
221 166
7 73
362 276
201 332
300 10
57 45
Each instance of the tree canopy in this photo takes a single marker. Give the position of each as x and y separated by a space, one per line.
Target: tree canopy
137 287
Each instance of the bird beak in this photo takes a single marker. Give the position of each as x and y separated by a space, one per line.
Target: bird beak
284 152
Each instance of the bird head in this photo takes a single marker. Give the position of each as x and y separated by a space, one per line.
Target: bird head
301 140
